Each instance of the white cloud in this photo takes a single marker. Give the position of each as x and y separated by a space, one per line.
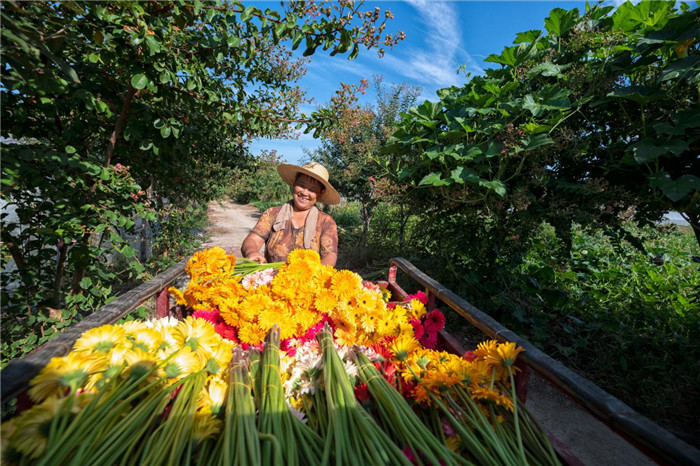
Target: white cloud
437 67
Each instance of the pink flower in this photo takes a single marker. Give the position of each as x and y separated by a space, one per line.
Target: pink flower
420 296
409 454
429 340
434 321
418 329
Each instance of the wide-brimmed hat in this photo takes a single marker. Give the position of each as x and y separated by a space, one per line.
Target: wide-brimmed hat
316 171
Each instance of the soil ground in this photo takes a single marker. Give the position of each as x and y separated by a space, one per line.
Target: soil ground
587 439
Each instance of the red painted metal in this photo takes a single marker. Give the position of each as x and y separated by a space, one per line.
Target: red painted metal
163 303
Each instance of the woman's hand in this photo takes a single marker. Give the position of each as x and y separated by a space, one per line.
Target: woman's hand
257 257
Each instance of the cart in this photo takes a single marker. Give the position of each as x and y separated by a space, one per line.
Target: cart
654 442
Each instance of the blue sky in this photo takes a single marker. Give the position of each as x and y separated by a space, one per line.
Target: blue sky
440 37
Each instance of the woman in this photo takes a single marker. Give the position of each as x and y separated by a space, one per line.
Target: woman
298 223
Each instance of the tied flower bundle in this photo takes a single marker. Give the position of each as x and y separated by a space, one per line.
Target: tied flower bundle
346 386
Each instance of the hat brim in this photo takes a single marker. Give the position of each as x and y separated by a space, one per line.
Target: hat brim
289 172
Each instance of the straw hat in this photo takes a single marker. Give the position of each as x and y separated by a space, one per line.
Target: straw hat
316 171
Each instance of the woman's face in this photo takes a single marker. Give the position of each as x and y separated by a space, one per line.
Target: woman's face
305 191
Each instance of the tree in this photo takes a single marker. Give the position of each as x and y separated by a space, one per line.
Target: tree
597 118
121 99
351 151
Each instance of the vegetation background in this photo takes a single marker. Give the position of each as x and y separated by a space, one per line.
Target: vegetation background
534 191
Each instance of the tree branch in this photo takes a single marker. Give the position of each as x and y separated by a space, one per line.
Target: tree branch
119 126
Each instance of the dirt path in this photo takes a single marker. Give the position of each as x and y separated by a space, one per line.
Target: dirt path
230 223
589 440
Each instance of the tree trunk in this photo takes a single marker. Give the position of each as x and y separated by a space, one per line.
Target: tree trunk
694 220
58 280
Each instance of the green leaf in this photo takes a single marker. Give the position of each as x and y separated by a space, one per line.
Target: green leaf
527 37
685 68
494 185
639 94
463 175
434 179
85 283
534 128
247 13
507 57
139 81
647 150
560 21
298 36
539 140
548 69
70 150
675 190
165 131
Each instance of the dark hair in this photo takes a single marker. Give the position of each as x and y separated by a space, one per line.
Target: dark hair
296 178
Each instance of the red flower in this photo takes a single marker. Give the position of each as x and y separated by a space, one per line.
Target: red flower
434 321
469 355
362 392
226 331
418 329
420 296
429 340
409 454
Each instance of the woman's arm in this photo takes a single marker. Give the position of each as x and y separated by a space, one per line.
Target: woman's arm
329 259
251 248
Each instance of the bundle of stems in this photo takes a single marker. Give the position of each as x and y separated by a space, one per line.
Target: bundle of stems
495 438
114 419
399 419
170 442
286 440
246 266
352 437
239 443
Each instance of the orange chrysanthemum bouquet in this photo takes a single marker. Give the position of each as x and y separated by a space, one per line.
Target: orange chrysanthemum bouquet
294 363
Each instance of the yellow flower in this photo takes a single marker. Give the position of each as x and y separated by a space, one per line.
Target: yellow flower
403 345
253 305
214 396
178 295
417 309
454 443
61 374
251 333
504 355
221 357
198 334
304 255
102 338
205 426
345 284
494 396
147 339
485 348
32 427
325 301
184 362
345 337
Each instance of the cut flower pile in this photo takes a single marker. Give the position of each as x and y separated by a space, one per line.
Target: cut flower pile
298 364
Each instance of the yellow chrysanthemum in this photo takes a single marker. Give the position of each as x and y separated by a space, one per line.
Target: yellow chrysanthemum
205 426
62 374
485 348
253 305
178 295
345 284
403 345
251 333
184 362
198 334
304 255
212 398
504 355
494 396
417 309
221 356
33 425
325 301
454 443
345 337
147 339
102 339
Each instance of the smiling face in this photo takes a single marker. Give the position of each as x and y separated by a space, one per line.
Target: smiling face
305 192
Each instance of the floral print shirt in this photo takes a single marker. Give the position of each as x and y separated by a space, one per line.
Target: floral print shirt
279 244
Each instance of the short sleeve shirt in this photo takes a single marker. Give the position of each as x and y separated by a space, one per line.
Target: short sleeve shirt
279 244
